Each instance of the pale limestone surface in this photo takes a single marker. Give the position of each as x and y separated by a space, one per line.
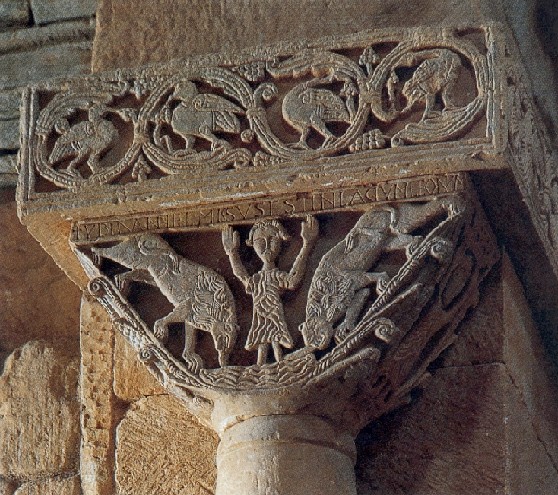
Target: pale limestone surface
152 457
39 430
99 412
132 380
56 486
46 11
38 301
205 26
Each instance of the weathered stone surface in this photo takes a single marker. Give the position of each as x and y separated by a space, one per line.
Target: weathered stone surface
532 467
529 368
10 102
160 33
154 457
14 13
9 134
132 380
8 170
39 430
64 486
99 412
452 439
45 11
38 301
482 332
36 37
26 67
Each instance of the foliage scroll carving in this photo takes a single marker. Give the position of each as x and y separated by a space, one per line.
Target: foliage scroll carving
343 99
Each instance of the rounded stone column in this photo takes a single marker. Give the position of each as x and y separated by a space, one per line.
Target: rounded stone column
285 455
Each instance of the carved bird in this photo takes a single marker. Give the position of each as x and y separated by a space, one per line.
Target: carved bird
200 115
90 138
306 108
435 75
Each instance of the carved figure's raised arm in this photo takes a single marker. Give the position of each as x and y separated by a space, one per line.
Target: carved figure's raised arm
309 233
231 243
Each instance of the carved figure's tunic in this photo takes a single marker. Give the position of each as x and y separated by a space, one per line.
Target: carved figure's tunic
268 319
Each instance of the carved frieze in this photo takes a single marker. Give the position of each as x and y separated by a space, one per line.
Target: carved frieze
535 161
338 105
371 304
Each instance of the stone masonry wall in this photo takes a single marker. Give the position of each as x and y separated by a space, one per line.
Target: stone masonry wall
39 308
39 39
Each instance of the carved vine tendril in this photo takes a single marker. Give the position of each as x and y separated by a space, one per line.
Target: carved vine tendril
202 118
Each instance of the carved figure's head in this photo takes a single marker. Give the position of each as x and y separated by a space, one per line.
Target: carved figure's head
266 238
316 332
135 251
126 253
224 337
153 244
185 90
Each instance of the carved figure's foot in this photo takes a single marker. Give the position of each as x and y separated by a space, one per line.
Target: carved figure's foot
382 283
341 333
223 358
161 331
431 114
220 144
327 141
413 246
193 361
299 145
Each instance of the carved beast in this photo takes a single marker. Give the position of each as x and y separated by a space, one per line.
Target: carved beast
201 298
339 288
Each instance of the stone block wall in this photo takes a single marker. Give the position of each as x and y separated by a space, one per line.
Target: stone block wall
39 312
39 39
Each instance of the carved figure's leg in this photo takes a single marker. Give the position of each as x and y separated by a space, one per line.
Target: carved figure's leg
351 315
206 133
190 141
73 164
168 144
277 351
301 143
379 278
446 100
93 162
193 360
430 103
223 357
123 280
262 354
177 315
320 126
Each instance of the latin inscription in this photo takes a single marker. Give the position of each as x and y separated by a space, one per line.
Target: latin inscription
279 206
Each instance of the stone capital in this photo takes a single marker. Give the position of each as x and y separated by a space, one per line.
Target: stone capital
288 236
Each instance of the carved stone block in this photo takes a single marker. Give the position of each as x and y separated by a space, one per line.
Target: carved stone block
151 457
39 430
132 380
67 486
305 112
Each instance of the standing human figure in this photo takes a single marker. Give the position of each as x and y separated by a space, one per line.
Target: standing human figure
267 285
